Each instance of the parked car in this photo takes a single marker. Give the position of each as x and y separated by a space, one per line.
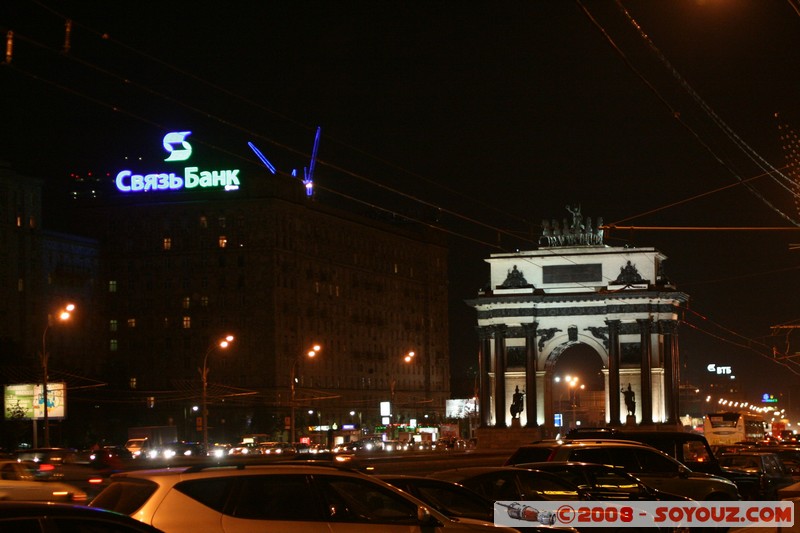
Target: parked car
759 475
688 448
789 456
453 499
18 482
653 467
603 482
509 483
38 517
244 498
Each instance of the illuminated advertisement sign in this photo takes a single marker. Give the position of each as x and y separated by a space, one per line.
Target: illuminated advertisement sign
190 177
719 370
768 398
24 401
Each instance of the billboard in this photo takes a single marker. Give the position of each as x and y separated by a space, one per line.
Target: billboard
24 401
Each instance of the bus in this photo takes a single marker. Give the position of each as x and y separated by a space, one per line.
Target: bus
733 427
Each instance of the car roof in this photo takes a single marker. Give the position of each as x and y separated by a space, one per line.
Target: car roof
10 509
239 468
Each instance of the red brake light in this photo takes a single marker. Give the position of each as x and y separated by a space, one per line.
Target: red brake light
46 467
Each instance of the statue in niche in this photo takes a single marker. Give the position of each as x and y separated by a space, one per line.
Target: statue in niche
515 279
517 403
629 275
630 400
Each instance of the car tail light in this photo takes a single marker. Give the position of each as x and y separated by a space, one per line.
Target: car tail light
95 480
46 467
78 497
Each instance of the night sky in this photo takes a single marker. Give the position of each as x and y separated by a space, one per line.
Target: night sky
482 118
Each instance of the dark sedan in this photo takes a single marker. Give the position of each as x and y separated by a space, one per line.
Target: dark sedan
503 483
454 500
603 482
759 475
32 517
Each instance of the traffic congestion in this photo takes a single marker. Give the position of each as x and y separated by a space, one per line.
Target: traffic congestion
383 485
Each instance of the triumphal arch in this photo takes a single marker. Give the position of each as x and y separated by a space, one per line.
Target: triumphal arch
574 290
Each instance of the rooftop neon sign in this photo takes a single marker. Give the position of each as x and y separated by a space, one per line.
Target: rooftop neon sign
178 149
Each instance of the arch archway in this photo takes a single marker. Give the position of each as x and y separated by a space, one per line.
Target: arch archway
544 305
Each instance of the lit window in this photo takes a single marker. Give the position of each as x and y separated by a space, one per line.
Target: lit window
203 222
131 322
32 222
223 241
204 301
186 302
19 221
113 345
112 325
133 383
167 243
187 322
112 286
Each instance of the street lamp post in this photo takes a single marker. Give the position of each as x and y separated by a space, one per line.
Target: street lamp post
223 343
63 315
571 383
293 384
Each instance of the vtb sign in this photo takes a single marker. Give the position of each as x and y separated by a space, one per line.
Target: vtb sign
719 370
178 149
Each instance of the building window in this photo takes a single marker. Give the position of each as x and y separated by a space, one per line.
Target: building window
204 301
221 222
131 322
223 241
113 345
186 302
19 221
112 286
32 222
112 325
187 322
132 383
203 222
167 243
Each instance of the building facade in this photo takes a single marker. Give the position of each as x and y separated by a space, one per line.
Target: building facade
177 270
539 304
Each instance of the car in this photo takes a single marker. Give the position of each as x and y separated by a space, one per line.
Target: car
504 483
55 463
183 449
652 466
453 499
789 456
759 475
719 449
39 517
245 497
18 482
137 447
687 447
395 446
603 482
276 448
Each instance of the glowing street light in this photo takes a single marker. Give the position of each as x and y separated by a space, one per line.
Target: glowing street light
222 343
293 384
63 315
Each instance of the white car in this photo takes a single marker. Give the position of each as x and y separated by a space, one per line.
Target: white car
281 497
17 483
